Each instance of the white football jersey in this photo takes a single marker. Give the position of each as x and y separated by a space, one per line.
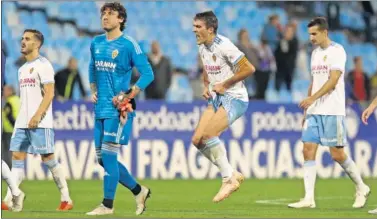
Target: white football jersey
322 62
32 76
219 60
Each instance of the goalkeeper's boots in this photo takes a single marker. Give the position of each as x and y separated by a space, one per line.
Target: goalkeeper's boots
141 200
101 210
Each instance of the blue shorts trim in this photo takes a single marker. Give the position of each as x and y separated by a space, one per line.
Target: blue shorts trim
234 107
326 130
33 141
112 131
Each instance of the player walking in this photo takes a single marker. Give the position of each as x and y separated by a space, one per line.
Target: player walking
324 120
33 131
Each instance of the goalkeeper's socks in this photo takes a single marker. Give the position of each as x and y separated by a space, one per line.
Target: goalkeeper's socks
108 203
59 178
125 178
109 154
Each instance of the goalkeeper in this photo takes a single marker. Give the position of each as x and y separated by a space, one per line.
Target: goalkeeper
113 55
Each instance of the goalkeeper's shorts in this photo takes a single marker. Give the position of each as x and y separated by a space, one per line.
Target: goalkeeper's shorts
111 130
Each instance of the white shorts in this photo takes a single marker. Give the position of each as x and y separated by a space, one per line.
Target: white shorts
33 141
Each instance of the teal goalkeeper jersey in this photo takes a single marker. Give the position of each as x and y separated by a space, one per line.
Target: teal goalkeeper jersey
111 70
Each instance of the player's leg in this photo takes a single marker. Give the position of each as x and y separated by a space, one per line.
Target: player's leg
140 192
198 134
42 140
19 146
99 131
310 138
230 110
17 194
335 135
109 157
8 177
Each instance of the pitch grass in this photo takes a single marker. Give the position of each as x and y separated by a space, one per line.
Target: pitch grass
190 198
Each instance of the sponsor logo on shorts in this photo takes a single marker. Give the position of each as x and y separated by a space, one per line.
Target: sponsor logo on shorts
110 134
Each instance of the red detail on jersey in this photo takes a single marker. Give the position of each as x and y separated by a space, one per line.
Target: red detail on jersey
212 67
320 67
27 81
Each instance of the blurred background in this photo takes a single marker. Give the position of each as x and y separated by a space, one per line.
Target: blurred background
272 34
274 37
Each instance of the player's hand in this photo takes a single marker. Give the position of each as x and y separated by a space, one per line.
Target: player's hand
35 120
94 97
219 88
306 103
206 93
367 112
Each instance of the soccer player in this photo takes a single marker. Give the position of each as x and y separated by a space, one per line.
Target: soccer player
33 131
225 68
364 117
324 115
114 54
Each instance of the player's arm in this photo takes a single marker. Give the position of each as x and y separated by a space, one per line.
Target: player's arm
47 79
206 93
48 90
242 67
140 61
337 65
92 78
329 85
243 70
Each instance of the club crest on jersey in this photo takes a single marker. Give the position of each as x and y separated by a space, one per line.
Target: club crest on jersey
324 58
214 57
31 70
114 54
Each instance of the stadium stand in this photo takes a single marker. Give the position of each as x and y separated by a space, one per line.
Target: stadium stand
69 26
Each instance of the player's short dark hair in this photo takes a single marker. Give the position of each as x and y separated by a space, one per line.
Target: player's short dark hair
356 59
37 34
320 22
209 19
116 6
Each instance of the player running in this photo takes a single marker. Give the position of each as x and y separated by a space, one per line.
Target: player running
324 116
114 54
364 117
33 131
225 68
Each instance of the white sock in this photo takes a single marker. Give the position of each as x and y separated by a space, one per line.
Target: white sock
59 178
218 156
310 175
350 168
8 177
18 174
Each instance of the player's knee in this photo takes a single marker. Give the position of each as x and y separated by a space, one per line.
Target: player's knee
196 140
47 157
339 157
309 153
208 134
18 156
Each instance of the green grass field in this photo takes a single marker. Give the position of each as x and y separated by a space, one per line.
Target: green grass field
189 198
